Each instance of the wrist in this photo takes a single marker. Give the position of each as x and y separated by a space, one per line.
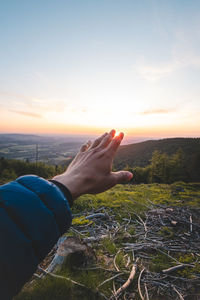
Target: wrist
66 192
71 183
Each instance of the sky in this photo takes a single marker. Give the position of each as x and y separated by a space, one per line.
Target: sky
87 66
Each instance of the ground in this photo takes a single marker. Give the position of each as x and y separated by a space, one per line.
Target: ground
153 228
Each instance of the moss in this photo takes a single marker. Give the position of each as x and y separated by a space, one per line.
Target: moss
70 233
47 289
89 278
135 198
81 221
120 260
109 246
131 230
160 262
189 272
186 258
166 232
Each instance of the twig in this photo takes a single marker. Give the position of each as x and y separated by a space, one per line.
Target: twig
97 215
146 291
191 223
166 271
36 275
139 288
114 261
62 277
169 256
69 279
128 261
76 231
114 288
180 296
144 224
129 220
117 275
127 283
133 254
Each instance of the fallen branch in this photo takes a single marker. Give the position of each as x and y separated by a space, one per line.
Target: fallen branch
139 288
180 296
166 271
127 283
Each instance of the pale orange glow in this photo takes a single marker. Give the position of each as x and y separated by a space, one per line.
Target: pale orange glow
15 123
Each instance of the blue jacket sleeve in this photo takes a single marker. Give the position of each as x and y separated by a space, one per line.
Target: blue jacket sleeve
34 213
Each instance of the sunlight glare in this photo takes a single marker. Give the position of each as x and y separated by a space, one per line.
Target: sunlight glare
116 133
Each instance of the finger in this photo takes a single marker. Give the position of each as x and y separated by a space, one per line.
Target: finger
107 139
122 176
98 140
116 142
85 146
89 144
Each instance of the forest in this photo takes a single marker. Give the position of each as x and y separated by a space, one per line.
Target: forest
10 169
164 168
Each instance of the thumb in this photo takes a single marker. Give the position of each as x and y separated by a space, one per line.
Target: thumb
122 176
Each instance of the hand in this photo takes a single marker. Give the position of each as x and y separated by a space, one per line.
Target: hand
91 170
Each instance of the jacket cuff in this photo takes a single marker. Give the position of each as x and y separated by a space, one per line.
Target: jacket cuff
64 190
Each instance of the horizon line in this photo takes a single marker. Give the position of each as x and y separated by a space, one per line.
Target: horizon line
127 136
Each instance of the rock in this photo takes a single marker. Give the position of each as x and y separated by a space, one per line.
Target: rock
174 222
169 209
70 249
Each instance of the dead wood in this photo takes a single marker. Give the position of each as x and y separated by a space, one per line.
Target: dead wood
175 268
127 283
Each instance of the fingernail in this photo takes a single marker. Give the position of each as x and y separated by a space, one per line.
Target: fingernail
129 176
113 132
121 135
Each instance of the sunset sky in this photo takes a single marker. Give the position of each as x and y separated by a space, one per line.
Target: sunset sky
80 66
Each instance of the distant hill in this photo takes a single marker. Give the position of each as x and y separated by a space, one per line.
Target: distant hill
139 154
52 149
20 138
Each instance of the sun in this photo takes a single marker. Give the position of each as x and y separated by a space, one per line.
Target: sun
117 133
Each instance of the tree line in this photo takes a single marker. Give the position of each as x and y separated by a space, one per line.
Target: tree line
10 169
163 168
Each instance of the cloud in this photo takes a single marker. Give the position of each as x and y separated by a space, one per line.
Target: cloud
157 111
155 72
20 102
26 113
184 54
181 59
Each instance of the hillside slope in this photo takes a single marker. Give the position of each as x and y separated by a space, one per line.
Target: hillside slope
140 154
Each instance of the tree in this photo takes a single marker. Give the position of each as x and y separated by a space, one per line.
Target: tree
178 170
159 167
141 175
